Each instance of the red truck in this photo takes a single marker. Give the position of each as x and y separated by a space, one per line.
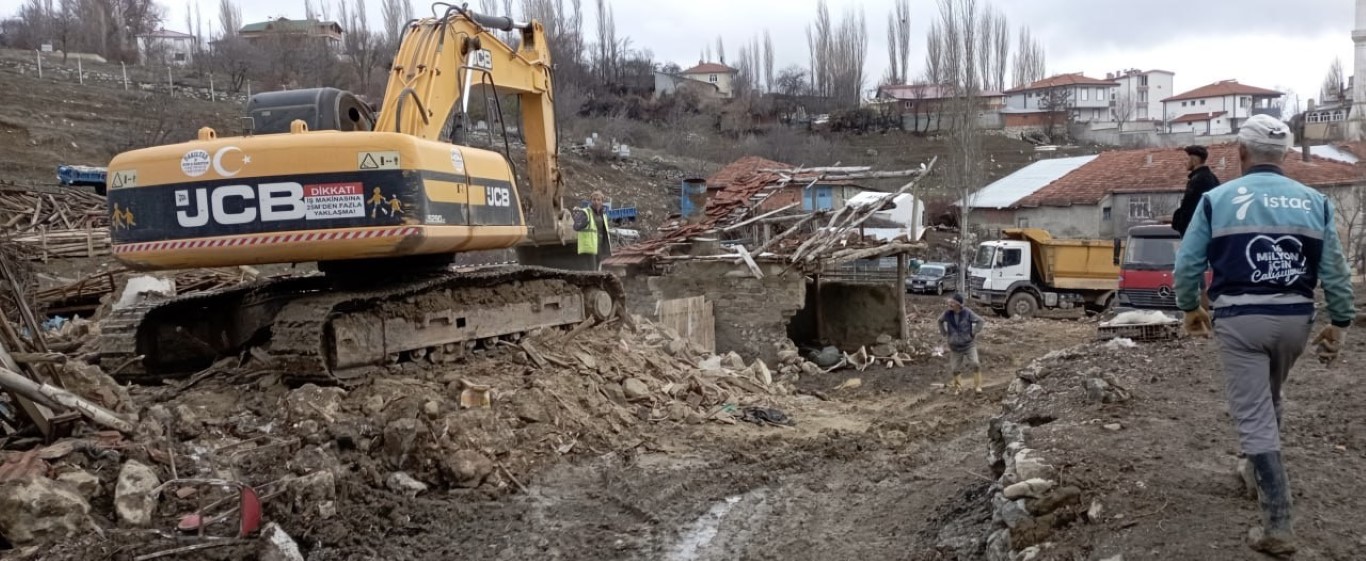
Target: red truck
1146 266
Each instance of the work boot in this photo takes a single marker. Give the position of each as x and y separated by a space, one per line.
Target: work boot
1276 536
956 385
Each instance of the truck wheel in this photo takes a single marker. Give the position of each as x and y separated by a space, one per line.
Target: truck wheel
1022 304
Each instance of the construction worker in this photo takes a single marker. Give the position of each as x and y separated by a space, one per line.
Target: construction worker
1269 241
960 326
591 224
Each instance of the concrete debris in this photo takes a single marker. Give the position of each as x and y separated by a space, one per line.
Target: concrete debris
761 372
849 384
1028 467
81 481
1095 511
1120 343
1033 488
1141 317
467 468
313 402
734 361
1113 427
400 482
135 497
710 364
36 509
1105 390
635 389
1119 557
145 289
276 545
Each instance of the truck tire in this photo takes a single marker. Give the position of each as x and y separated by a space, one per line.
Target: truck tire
1022 304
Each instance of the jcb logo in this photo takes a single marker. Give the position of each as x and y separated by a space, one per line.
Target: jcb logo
240 204
498 196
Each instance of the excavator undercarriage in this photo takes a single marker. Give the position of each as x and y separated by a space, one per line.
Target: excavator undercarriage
330 330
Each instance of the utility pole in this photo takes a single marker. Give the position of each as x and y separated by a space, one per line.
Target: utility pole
80 71
211 92
124 67
39 56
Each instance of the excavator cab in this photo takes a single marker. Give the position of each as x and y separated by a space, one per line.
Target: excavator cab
319 108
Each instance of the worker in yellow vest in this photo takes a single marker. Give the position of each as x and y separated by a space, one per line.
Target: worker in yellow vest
591 224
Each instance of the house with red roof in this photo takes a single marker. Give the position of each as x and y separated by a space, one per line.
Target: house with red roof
1103 197
719 75
1218 108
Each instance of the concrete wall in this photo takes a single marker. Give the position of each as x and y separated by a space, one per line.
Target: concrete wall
1073 222
751 314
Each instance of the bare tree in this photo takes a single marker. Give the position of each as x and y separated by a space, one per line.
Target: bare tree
1056 103
959 32
395 13
819 37
934 55
362 46
1351 222
1124 108
1001 54
1029 64
768 60
902 13
229 17
1334 86
792 81
720 50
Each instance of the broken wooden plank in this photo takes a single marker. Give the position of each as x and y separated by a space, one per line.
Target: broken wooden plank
57 398
760 217
749 261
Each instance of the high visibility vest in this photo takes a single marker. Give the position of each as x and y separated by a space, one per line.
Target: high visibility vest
588 238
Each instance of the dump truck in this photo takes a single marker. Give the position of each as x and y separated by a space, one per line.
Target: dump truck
1028 270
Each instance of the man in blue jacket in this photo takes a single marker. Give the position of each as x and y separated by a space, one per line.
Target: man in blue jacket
960 327
1269 241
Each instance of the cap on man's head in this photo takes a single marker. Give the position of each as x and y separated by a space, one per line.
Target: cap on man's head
958 297
1198 151
1267 132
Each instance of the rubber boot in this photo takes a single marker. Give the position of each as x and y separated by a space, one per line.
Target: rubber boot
957 384
1276 536
977 381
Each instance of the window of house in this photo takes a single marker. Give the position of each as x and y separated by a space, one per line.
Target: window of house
1105 214
1202 102
1085 92
180 57
1183 104
1143 81
712 79
1246 102
1022 222
1140 207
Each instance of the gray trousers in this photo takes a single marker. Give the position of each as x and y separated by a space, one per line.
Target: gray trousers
1258 352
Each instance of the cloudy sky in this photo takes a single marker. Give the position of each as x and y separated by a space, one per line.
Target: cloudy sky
1267 43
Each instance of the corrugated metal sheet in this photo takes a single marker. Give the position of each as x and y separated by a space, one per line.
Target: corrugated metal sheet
1328 153
1010 189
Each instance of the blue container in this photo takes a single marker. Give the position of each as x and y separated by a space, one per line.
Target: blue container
694 199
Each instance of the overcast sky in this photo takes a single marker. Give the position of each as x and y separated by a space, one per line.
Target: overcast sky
1265 43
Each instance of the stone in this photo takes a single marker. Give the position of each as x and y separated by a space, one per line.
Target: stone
1030 553
998 546
1016 387
313 402
529 410
734 361
1028 467
467 468
1062 497
1096 389
1014 514
373 406
761 372
1097 509
1119 557
134 500
885 339
432 410
1113 427
313 459
827 357
276 545
710 363
36 509
1033 488
401 482
83 482
399 438
789 356
676 347
311 489
327 509
810 369
634 389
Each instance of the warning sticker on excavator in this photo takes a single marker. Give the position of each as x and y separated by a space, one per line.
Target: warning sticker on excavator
334 200
458 161
377 160
124 178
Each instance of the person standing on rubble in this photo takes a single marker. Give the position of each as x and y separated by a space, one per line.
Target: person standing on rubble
1269 241
592 228
960 327
1200 180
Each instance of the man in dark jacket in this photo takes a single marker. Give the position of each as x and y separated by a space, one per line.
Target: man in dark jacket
960 326
1200 181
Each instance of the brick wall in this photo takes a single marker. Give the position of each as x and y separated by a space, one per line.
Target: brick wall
751 314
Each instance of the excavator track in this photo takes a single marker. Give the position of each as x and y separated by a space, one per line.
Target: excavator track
314 330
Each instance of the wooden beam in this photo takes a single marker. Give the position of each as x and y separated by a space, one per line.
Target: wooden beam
749 261
760 217
57 398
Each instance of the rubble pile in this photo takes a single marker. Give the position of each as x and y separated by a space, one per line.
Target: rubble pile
25 210
482 426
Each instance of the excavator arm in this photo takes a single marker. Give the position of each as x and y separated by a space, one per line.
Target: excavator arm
440 60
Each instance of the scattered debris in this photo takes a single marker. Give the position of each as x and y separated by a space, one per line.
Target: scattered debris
34 509
135 497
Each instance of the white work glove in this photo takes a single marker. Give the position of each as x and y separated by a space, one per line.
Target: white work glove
1328 344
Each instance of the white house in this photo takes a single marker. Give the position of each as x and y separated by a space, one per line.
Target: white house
166 47
1218 108
905 210
1089 99
1144 90
719 75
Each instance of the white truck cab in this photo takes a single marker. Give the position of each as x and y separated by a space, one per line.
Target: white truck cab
997 266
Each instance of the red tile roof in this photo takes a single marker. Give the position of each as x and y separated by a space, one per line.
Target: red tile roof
741 181
1224 88
1164 169
742 168
1076 79
1356 148
710 68
1198 117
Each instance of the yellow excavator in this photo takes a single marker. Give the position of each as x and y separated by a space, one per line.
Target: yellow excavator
383 204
